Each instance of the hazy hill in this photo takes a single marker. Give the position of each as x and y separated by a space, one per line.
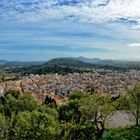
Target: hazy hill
109 62
87 60
75 62
6 63
67 62
62 66
2 61
68 65
57 65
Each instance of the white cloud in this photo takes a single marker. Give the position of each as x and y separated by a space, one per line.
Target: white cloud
84 10
134 45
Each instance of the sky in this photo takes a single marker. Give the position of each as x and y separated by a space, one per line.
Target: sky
34 30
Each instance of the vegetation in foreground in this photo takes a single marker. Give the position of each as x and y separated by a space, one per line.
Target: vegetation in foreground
82 118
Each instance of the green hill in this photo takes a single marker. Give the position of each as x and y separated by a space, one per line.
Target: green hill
67 62
61 66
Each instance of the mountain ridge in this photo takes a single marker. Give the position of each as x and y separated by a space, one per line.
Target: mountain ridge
67 61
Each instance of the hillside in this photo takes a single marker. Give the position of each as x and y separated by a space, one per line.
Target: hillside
122 64
5 63
74 62
59 65
67 65
67 62
87 60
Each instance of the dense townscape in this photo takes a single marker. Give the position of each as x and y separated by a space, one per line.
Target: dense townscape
100 81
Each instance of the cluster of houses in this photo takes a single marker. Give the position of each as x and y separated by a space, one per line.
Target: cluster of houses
61 85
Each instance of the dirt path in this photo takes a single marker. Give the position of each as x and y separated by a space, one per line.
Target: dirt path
120 119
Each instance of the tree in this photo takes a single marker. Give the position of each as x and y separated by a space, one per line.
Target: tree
36 125
23 118
14 93
134 103
128 133
27 102
84 116
6 126
3 127
9 104
96 110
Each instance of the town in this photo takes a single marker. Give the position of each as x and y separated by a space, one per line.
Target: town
100 81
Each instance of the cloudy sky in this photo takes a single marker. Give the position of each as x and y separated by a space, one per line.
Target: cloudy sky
44 29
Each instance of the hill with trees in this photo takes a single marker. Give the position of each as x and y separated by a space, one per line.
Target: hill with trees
61 66
124 64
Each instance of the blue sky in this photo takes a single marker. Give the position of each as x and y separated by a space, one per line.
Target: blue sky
32 30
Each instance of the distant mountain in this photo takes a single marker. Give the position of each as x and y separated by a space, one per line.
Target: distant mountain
18 63
2 61
68 65
74 61
87 60
82 62
6 63
95 60
57 65
67 62
109 62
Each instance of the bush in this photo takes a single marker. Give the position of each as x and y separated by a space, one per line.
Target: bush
14 93
23 118
75 95
12 104
122 103
36 125
132 133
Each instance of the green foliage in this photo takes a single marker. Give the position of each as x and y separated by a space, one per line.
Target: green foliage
76 95
82 118
72 131
107 135
14 93
95 107
6 126
23 118
132 133
131 103
36 125
12 104
27 102
134 103
85 115
70 112
3 127
122 103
